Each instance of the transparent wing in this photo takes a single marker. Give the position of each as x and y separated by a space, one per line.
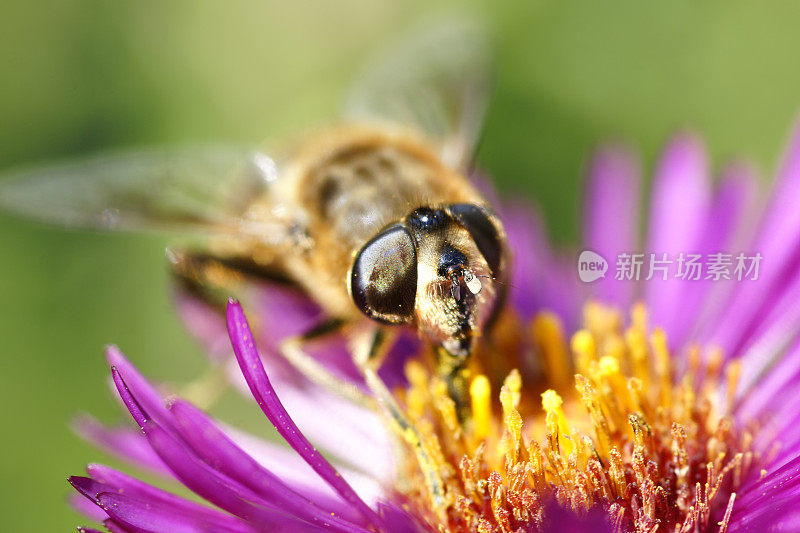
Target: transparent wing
198 189
435 81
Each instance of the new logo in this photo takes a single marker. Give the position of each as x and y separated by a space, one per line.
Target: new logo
591 266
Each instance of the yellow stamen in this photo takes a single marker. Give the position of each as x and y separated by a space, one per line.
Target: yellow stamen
509 399
550 339
636 340
480 392
659 340
616 388
625 435
732 373
614 346
639 317
447 407
591 400
585 350
556 421
600 320
417 394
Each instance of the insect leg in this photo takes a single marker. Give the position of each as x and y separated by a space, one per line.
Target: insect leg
371 347
212 279
367 352
193 274
292 348
453 370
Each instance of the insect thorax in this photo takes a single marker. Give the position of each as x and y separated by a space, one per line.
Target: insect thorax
362 187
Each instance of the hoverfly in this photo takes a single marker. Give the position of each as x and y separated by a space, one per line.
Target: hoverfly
375 218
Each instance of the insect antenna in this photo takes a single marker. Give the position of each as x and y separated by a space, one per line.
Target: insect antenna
500 282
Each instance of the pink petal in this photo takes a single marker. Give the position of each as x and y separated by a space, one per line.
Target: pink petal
611 218
679 209
256 376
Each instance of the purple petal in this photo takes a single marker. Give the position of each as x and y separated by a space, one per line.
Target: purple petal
308 404
282 461
216 449
400 520
130 486
87 507
611 217
560 520
214 487
146 515
284 312
365 432
679 210
113 527
187 512
775 403
728 220
771 504
538 280
89 489
148 401
778 241
761 393
191 471
287 312
789 438
304 399
773 329
137 412
122 442
87 486
733 209
256 376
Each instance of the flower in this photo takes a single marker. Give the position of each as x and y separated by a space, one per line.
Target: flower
682 417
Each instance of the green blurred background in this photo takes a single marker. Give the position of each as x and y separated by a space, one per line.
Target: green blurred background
81 76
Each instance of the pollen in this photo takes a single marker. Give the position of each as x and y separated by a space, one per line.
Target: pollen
601 422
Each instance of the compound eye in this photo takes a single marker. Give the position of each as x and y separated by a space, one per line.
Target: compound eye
476 220
383 281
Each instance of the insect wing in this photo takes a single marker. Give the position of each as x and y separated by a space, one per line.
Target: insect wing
202 189
436 82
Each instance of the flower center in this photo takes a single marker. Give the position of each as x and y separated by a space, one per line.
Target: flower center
624 437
